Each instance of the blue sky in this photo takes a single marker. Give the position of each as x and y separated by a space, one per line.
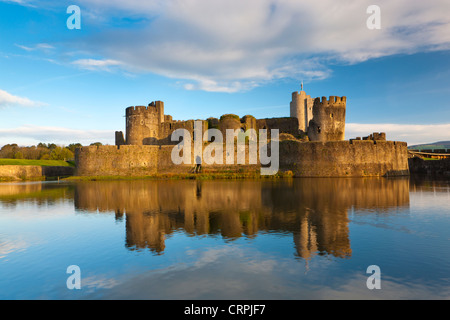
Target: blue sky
206 58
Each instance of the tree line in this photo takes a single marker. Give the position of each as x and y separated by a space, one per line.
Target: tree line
42 151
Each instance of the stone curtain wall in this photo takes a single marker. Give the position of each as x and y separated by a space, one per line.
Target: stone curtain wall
116 161
344 158
145 160
437 167
305 159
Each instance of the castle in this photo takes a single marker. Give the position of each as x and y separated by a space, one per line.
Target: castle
321 120
312 143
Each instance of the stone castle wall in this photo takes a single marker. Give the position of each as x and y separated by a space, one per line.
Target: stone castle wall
146 160
344 158
284 125
437 167
305 159
116 161
149 126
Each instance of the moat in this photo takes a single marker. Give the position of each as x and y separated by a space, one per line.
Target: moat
226 239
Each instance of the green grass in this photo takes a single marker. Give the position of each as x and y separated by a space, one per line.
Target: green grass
43 163
230 115
51 193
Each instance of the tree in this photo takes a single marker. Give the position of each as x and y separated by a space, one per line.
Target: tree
96 144
18 155
73 146
59 153
9 150
52 146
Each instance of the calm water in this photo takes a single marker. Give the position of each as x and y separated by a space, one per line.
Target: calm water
288 239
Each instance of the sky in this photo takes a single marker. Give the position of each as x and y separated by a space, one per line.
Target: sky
206 58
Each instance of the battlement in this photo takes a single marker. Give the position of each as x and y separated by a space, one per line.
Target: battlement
154 107
138 110
333 100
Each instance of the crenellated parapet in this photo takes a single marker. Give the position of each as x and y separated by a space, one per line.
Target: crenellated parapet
138 110
153 108
336 101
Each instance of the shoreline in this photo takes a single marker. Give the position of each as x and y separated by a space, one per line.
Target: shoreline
185 176
182 176
10 173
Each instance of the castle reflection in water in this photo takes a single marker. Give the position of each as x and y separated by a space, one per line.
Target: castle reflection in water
315 211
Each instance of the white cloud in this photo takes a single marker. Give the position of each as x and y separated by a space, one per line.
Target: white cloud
39 46
21 2
94 64
31 135
9 100
231 45
235 45
411 133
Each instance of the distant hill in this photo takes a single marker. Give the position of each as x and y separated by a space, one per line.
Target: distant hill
434 145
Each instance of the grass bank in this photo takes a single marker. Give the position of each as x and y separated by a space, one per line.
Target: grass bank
42 163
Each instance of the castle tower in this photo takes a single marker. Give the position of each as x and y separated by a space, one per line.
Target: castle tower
328 123
301 108
143 123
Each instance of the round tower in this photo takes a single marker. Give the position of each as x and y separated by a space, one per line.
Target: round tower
249 122
328 123
301 108
229 121
297 108
143 123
